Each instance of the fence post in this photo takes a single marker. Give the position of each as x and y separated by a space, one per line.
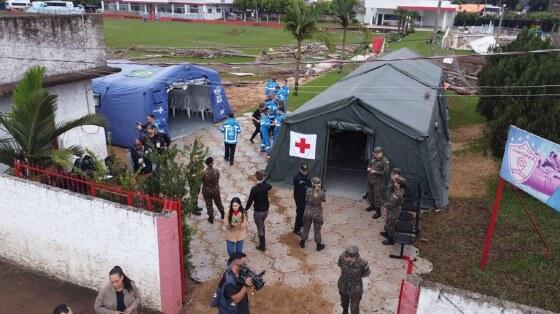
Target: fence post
129 198
181 249
17 169
92 188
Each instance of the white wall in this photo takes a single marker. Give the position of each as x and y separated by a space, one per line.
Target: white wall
61 43
76 238
74 100
437 298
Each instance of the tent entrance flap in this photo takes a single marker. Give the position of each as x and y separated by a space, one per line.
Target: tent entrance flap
347 149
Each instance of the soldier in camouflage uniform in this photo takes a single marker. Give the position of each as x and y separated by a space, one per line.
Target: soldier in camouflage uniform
211 189
353 269
393 208
378 167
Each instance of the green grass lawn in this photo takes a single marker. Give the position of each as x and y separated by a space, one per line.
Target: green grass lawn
462 110
123 33
306 93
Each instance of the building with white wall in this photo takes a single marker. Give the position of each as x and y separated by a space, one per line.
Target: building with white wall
179 9
383 12
72 50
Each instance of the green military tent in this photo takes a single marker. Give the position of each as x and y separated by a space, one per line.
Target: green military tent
397 104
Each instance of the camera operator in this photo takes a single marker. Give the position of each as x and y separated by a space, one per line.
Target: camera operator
235 290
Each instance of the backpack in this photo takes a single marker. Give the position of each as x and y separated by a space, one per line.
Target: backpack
219 299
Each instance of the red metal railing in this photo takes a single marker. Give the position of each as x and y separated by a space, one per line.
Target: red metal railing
78 184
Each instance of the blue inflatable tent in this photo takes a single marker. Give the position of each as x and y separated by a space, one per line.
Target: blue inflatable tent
138 90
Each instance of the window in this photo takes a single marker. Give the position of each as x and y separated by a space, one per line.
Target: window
123 7
218 10
180 10
135 7
97 100
164 8
210 10
193 9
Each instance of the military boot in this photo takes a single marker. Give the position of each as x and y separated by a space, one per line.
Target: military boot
320 246
384 234
222 214
302 244
211 219
377 213
261 246
369 209
389 241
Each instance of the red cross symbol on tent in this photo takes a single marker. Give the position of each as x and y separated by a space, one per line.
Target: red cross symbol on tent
302 145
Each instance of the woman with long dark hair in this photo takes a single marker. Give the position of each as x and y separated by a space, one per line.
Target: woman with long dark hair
235 227
120 296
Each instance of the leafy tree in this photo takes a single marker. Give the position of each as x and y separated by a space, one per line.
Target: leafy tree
505 75
401 14
344 11
31 125
178 175
300 20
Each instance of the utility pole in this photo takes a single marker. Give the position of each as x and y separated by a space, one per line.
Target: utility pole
434 35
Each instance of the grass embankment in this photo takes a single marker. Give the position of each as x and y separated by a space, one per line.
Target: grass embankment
453 239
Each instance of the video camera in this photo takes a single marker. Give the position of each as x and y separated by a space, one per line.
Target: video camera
258 280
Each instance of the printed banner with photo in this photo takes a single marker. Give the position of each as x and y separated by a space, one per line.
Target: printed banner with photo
532 164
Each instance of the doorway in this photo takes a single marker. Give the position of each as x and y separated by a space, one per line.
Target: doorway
190 107
345 172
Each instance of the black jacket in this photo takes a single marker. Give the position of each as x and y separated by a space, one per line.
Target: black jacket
137 156
259 195
301 183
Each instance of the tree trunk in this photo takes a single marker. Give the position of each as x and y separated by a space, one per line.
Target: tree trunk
298 61
343 43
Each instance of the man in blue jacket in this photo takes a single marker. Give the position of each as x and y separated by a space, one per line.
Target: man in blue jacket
286 91
231 130
265 130
270 86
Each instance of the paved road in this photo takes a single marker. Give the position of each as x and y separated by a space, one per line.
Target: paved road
26 292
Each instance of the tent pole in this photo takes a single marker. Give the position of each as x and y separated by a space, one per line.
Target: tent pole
492 224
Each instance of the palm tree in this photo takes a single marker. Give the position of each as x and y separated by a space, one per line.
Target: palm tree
344 11
31 127
300 20
401 13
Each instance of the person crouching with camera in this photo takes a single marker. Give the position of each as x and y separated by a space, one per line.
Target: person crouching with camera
234 289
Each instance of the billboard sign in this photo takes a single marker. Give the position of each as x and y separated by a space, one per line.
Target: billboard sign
532 164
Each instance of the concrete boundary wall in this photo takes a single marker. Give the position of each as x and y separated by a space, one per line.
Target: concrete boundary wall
438 298
78 239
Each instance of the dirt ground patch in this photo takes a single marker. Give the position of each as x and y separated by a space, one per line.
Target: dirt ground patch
273 299
467 134
469 175
245 98
469 170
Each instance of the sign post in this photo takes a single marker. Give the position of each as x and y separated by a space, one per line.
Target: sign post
531 164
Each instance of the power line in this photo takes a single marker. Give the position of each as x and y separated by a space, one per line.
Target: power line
509 53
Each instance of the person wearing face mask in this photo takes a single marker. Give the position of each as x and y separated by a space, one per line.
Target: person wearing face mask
235 227
353 269
121 296
314 198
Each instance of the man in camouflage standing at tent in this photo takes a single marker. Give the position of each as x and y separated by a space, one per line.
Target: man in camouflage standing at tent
353 268
377 168
211 189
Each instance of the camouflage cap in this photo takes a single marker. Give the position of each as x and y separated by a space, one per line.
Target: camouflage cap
315 181
352 251
378 149
396 170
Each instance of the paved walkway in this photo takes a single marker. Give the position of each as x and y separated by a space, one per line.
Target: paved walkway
346 223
